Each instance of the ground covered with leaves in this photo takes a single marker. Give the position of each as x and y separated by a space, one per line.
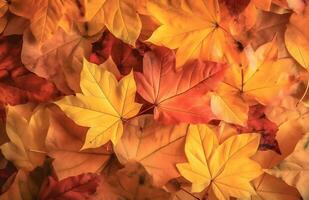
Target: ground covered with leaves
154 99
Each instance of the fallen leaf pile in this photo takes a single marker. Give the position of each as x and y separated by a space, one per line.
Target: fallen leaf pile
154 99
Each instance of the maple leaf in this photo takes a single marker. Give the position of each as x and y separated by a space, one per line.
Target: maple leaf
294 169
226 168
59 59
102 106
130 182
185 103
296 37
45 15
147 142
74 187
192 27
27 134
170 91
64 141
122 19
249 82
270 187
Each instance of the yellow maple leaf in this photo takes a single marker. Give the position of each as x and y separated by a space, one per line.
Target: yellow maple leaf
120 18
190 26
264 77
103 104
225 168
26 128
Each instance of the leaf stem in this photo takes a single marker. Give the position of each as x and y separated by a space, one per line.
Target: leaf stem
139 114
189 193
207 191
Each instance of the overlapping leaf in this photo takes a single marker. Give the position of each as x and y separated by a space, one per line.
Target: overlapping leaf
294 169
260 80
17 84
296 38
157 147
269 187
102 106
170 91
63 142
191 27
226 168
58 59
27 134
212 81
